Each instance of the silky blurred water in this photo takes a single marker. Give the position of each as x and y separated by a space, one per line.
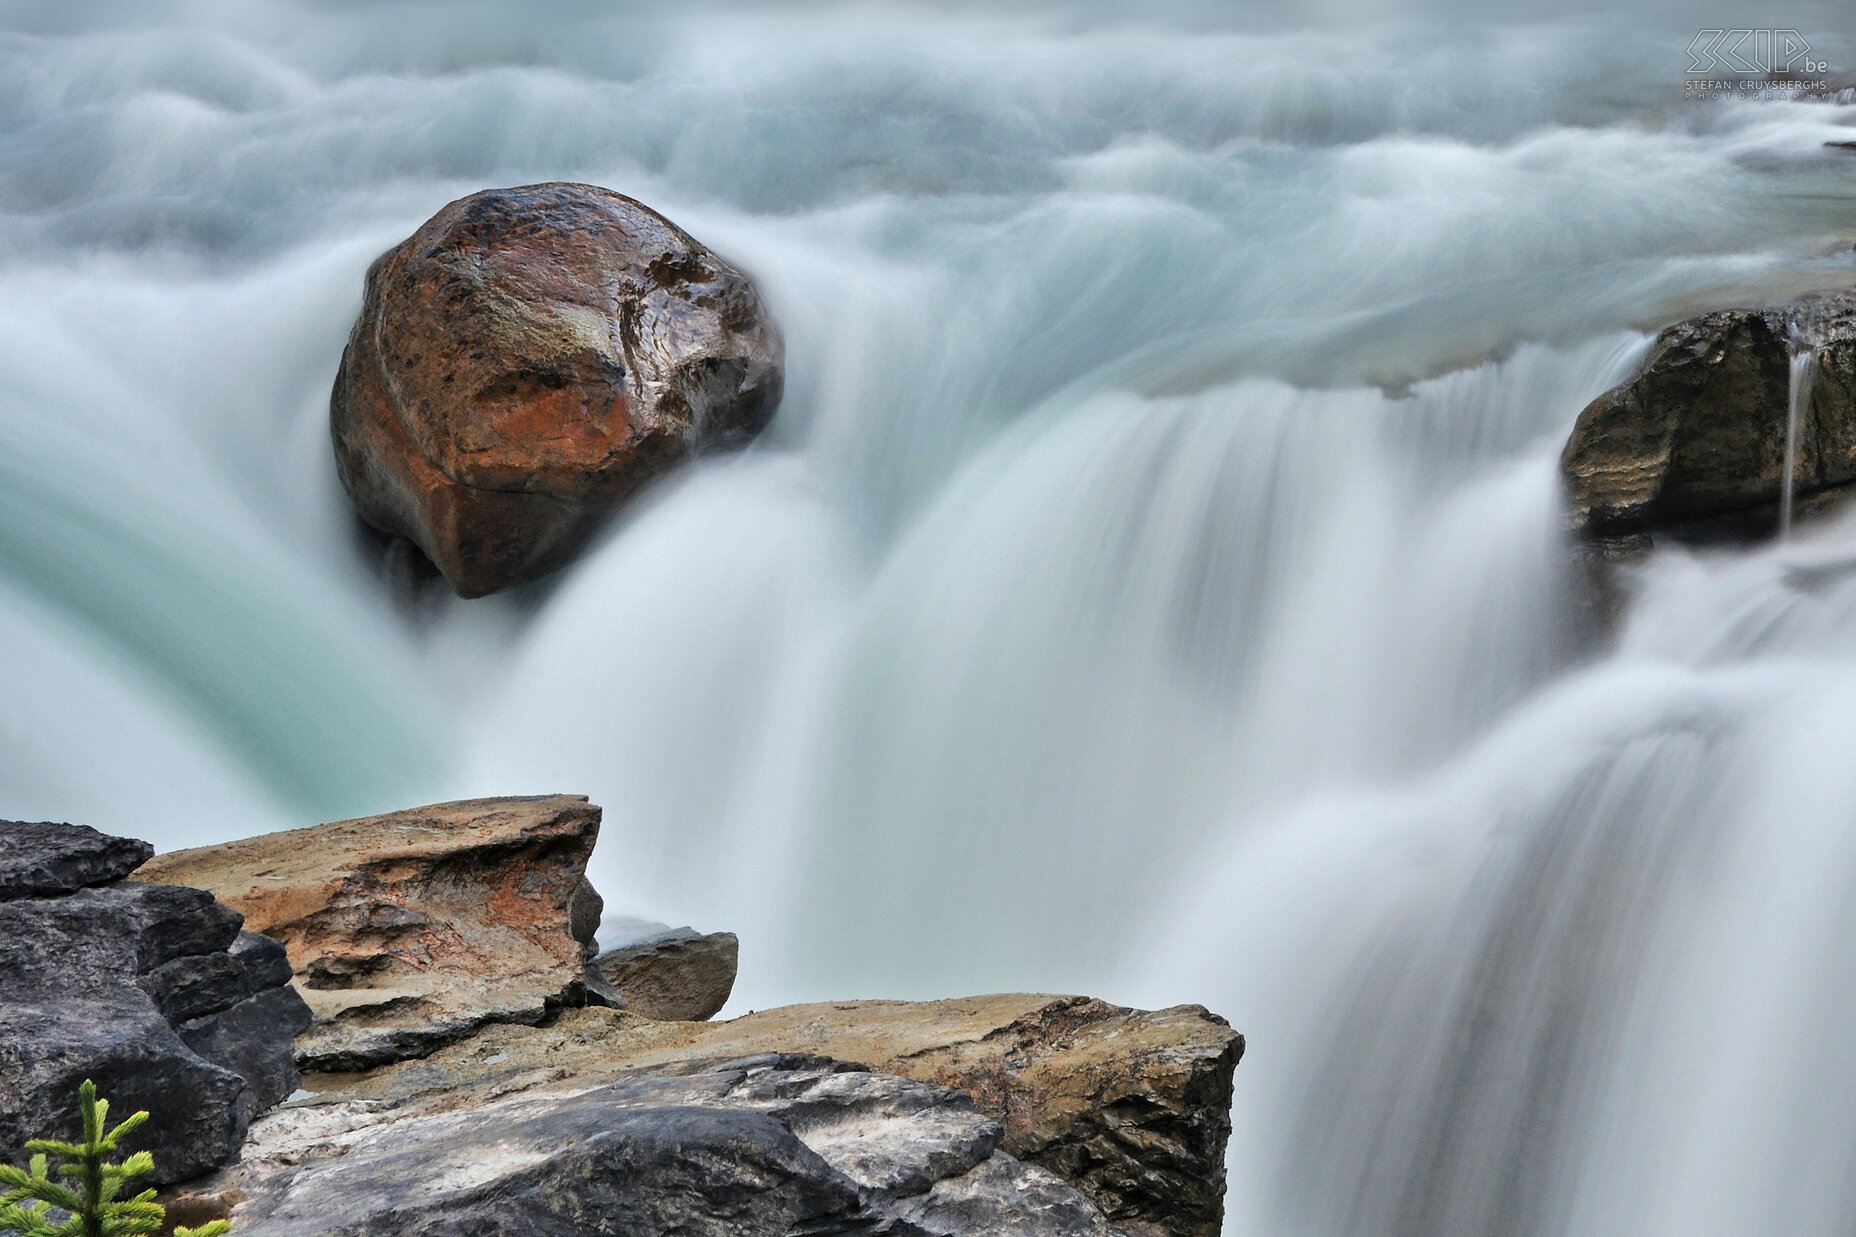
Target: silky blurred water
1153 585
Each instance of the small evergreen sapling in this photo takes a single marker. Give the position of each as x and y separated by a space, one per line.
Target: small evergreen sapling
30 1197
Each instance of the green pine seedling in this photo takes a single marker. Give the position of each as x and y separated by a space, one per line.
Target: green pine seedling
86 1187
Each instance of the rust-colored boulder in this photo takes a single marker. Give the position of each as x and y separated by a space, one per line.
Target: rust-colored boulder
526 361
408 931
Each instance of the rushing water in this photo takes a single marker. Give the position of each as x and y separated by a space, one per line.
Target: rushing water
1798 398
1153 585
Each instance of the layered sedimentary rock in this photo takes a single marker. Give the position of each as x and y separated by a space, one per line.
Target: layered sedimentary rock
149 990
1694 445
526 361
410 930
462 1088
680 976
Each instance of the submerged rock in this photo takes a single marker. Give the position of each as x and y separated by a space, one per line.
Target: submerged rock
1694 446
526 361
1131 1107
681 976
149 990
410 930
770 1145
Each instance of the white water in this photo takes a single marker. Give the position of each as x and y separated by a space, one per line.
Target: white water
1153 584
1798 399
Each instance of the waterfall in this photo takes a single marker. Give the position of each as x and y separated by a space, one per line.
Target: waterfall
1803 373
1154 585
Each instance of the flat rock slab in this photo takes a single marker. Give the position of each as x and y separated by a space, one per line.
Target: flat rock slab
529 359
408 931
767 1145
1131 1107
679 976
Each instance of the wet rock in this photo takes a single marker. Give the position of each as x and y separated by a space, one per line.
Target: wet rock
526 361
407 931
681 976
769 1144
1130 1107
1694 446
149 990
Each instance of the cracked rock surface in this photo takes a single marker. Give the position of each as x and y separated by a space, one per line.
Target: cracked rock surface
408 931
772 1144
1131 1107
149 990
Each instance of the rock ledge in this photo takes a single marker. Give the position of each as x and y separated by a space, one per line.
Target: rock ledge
408 931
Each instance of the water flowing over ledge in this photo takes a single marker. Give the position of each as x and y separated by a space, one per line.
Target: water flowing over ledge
1155 584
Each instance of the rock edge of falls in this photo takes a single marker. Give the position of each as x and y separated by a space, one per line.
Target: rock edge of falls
467 1065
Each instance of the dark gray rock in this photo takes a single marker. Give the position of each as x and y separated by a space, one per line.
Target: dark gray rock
1693 446
51 1043
196 985
766 1145
151 992
681 976
265 962
245 1038
166 922
44 859
583 911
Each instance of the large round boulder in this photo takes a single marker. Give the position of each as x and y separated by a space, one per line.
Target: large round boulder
149 990
526 361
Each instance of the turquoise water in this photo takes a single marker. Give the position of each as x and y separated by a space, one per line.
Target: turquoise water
1153 585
